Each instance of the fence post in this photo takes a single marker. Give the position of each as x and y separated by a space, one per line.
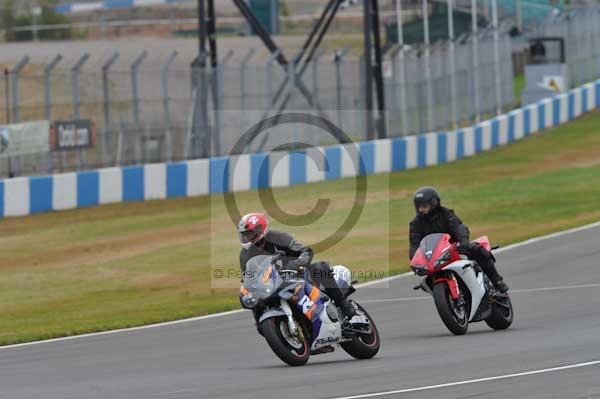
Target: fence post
16 117
315 82
595 42
393 92
7 112
7 109
198 145
47 93
403 104
135 102
428 82
338 59
76 101
269 78
291 87
134 87
166 100
243 93
106 139
191 124
14 77
219 104
7 95
509 74
75 84
498 78
315 74
475 38
452 55
48 100
422 105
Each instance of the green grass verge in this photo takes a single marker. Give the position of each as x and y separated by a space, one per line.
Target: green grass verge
518 86
131 264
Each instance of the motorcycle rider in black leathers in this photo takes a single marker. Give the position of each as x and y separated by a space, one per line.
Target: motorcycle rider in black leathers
432 218
257 239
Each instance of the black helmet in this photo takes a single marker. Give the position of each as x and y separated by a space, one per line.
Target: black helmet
427 195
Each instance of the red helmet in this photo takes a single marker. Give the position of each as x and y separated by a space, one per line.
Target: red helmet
252 228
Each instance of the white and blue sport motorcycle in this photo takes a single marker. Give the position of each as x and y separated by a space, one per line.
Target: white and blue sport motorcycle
298 319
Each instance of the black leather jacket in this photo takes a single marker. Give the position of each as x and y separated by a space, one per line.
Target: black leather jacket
440 220
277 241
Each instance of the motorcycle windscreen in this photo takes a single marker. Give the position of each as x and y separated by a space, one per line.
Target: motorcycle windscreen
261 279
429 244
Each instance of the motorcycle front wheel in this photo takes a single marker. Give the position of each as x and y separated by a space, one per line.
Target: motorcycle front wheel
290 349
454 316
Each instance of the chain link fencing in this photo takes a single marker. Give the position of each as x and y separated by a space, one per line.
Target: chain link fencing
144 111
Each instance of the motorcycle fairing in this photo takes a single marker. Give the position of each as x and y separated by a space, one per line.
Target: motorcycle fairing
272 312
484 242
313 303
310 301
431 249
473 281
452 285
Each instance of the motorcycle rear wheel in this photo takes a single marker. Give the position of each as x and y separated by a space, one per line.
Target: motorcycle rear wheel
502 313
286 347
363 347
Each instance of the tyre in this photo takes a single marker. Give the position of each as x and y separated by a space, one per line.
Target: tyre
364 346
288 348
454 316
502 313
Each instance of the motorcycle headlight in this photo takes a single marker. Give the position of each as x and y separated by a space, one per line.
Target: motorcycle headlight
419 270
249 301
442 259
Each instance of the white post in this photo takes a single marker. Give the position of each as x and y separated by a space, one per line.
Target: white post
519 15
452 56
428 67
36 11
497 71
403 111
475 34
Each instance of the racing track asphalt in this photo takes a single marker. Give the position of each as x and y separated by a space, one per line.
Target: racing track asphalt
555 286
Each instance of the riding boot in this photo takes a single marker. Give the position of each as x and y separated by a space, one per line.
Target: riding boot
338 297
489 268
323 274
486 262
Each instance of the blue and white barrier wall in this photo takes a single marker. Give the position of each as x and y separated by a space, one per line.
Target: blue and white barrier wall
110 5
29 195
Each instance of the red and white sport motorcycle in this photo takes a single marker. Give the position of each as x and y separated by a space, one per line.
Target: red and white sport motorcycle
461 291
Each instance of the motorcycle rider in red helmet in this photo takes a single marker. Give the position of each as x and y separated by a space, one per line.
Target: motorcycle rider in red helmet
257 238
432 218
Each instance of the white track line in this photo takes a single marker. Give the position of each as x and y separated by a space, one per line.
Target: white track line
547 237
232 312
175 322
521 291
403 299
168 323
556 288
383 280
452 384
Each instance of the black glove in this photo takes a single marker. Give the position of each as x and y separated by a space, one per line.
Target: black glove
293 264
277 261
304 258
464 248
